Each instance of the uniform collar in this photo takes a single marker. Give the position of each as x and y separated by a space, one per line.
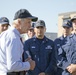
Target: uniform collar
44 39
62 37
72 35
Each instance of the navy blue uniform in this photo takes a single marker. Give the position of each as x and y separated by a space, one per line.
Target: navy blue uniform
58 43
42 52
67 54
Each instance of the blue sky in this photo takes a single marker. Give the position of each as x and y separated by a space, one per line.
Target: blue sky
46 10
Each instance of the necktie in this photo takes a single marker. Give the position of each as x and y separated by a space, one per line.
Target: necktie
21 40
23 52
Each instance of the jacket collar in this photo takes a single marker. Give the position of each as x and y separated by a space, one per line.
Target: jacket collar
45 39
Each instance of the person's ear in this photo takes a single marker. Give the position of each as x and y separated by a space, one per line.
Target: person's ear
19 21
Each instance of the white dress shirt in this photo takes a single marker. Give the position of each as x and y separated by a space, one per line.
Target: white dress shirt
11 50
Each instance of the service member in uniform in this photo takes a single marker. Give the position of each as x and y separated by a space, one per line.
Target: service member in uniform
4 24
31 32
41 50
72 68
67 29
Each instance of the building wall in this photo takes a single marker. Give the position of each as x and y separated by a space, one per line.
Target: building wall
61 17
60 20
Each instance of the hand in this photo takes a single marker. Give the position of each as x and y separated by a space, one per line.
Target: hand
71 68
74 73
32 64
28 59
42 73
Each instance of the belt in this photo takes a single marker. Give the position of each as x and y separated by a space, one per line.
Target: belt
16 73
13 73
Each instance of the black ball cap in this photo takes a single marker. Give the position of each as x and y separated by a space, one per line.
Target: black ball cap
24 13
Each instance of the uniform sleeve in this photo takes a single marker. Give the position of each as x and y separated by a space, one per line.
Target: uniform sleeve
51 69
26 50
62 61
14 50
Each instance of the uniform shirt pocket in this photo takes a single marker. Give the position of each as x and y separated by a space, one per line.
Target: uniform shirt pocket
48 49
34 50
